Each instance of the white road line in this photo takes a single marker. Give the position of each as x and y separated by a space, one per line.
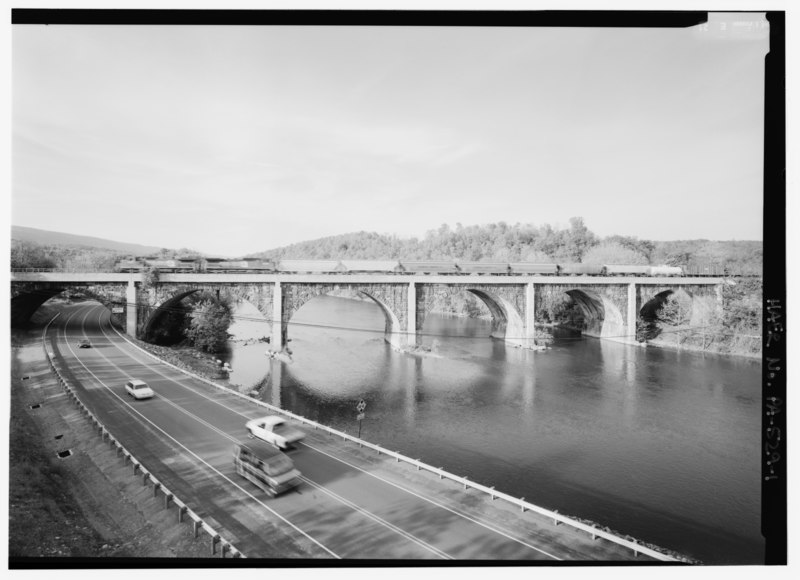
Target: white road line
200 459
467 517
491 527
337 497
378 519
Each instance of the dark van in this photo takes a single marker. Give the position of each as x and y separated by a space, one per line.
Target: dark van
263 465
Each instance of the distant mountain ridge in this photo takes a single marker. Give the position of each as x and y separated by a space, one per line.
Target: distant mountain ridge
50 238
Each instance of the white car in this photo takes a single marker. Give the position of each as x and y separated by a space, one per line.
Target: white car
274 430
138 389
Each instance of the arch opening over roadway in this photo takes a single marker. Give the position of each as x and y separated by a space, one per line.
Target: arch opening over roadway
25 304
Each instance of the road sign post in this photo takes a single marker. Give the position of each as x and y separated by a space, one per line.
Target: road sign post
362 405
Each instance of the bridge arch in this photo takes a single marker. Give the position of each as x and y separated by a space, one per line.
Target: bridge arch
507 322
602 317
390 298
504 305
649 309
681 314
393 332
156 315
25 304
27 301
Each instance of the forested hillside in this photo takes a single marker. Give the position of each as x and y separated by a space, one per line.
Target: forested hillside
60 239
528 243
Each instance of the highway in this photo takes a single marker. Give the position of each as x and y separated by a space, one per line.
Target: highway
185 436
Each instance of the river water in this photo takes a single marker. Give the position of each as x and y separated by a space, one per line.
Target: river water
661 445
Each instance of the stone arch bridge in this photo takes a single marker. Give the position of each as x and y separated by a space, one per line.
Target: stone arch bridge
610 305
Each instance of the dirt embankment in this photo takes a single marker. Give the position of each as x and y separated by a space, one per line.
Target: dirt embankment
70 496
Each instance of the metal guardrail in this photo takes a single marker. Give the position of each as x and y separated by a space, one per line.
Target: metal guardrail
465 482
138 469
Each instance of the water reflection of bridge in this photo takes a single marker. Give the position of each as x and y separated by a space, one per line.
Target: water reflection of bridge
610 305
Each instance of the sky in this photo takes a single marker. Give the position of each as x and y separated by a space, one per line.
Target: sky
234 140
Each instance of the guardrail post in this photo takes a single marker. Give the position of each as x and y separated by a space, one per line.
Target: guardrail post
214 541
167 498
491 493
440 474
225 548
197 525
145 477
522 505
135 467
181 511
156 487
465 482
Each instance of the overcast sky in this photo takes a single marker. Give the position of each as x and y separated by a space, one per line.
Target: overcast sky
236 140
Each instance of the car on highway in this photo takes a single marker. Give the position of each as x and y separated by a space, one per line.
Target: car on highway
139 389
84 343
274 430
266 467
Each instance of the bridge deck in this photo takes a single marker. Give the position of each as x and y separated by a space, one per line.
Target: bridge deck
108 277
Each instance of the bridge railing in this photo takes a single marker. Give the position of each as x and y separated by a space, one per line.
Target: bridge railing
137 468
524 506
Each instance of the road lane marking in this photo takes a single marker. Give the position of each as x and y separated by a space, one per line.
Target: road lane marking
465 516
489 526
213 469
332 494
378 519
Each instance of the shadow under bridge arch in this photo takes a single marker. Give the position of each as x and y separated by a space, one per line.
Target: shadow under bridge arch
507 322
159 315
394 333
602 318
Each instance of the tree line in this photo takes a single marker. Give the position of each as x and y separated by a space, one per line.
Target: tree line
500 242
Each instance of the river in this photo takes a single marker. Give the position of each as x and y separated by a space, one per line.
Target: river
661 445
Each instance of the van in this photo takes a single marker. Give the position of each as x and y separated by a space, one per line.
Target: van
263 465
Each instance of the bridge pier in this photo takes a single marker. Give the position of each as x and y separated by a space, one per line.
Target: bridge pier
277 318
530 315
632 314
411 319
131 302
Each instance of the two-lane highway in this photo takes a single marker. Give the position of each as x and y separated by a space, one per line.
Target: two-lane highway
185 436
